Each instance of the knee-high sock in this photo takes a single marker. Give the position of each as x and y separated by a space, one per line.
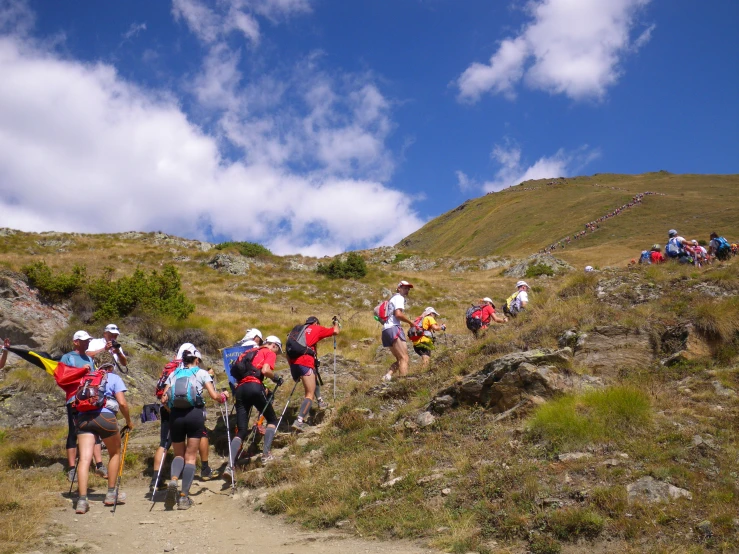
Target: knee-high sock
176 468
235 445
305 408
269 436
318 391
188 474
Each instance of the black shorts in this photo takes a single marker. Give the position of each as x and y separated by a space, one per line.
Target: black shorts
391 334
102 424
248 395
188 423
422 350
71 429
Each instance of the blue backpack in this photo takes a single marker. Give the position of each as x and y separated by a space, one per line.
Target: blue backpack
644 258
674 248
724 248
184 391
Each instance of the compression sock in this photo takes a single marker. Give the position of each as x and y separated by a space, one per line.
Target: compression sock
269 436
318 392
304 409
188 474
111 490
204 464
177 464
235 445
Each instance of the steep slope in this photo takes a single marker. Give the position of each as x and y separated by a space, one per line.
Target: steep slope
526 218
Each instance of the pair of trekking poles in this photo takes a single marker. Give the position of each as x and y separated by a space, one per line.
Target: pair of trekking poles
124 435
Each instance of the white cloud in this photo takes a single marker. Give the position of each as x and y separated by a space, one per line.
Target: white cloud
464 182
512 171
15 17
134 30
571 47
82 149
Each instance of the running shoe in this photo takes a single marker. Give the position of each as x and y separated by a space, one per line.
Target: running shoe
184 502
228 475
298 426
267 459
172 494
72 475
110 498
387 377
322 404
83 506
102 471
206 473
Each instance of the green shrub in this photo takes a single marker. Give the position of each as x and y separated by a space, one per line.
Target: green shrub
537 270
21 457
601 415
248 249
401 257
354 267
543 544
573 523
54 286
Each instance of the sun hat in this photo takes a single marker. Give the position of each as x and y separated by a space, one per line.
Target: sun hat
112 328
81 335
522 284
431 310
251 334
405 284
271 339
186 347
487 299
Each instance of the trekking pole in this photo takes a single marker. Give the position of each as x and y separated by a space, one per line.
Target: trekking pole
74 470
224 413
125 431
167 444
334 369
285 408
253 434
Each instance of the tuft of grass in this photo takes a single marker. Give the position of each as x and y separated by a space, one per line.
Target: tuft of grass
717 318
571 524
543 544
595 416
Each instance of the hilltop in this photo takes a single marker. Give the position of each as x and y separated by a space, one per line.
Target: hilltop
529 217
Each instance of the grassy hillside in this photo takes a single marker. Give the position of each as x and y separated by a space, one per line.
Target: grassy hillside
523 219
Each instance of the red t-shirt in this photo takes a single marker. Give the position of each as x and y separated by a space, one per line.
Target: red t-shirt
656 257
487 314
313 333
264 356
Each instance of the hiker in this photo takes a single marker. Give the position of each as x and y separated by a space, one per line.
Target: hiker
183 394
79 358
700 254
678 248
4 355
95 419
422 334
109 343
165 420
655 256
252 338
516 302
393 336
718 247
488 314
304 365
250 391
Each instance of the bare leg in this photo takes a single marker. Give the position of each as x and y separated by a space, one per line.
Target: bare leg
86 443
400 351
113 444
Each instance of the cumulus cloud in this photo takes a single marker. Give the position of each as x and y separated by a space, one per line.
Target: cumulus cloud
570 47
512 171
83 149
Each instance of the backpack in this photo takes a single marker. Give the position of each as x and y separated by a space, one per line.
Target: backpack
417 333
382 311
242 367
511 306
184 390
645 257
90 395
168 369
473 318
723 251
674 248
295 345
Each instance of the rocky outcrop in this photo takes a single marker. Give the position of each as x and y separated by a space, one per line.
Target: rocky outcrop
648 489
684 343
555 264
227 263
515 380
610 347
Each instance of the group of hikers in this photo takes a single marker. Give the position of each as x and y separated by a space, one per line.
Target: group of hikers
688 251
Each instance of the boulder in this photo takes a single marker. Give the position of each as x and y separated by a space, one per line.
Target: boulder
650 490
425 419
555 264
513 379
226 263
685 343
613 346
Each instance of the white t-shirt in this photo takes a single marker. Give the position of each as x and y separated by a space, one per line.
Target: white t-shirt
523 296
99 344
397 302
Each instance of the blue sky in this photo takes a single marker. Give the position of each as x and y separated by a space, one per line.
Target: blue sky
317 126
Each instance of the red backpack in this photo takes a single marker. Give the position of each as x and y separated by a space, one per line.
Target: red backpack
90 395
416 333
382 311
162 383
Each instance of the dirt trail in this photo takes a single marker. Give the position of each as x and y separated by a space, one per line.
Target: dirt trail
218 522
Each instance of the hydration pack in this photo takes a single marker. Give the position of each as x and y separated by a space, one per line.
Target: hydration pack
512 306
168 369
90 395
723 251
674 248
416 333
644 258
473 318
242 367
184 391
295 345
382 311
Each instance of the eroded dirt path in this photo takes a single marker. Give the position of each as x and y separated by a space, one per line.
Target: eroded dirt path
217 522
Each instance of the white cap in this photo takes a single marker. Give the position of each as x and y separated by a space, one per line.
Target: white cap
522 284
271 339
81 335
588 268
405 284
112 328
430 310
487 299
189 347
671 233
195 352
251 334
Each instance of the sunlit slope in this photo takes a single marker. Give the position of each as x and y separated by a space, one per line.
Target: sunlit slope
524 219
